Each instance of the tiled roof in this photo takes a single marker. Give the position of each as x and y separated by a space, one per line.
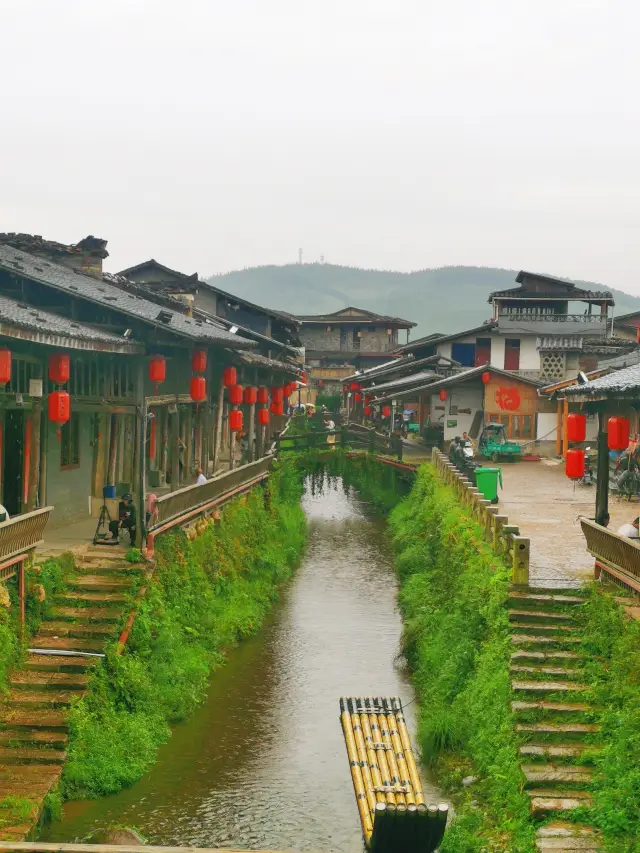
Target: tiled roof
102 293
624 381
362 316
416 378
23 316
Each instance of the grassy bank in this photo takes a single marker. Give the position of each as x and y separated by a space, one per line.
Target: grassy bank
456 639
207 593
612 649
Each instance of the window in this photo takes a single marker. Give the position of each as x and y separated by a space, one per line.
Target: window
464 353
512 354
70 443
483 351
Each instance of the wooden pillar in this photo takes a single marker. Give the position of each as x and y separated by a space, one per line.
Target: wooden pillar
602 484
140 461
218 438
26 462
164 446
44 455
189 452
565 427
197 436
252 432
34 465
174 447
113 450
559 428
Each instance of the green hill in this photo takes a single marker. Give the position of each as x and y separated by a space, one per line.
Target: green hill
447 299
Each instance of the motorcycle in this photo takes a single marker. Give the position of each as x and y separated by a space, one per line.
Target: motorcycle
627 474
589 477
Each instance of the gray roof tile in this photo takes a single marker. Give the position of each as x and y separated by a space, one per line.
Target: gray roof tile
620 382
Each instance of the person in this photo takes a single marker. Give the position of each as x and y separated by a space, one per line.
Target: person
330 424
200 478
152 511
126 519
630 530
181 449
467 437
4 515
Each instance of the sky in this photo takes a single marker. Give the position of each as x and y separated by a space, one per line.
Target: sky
398 134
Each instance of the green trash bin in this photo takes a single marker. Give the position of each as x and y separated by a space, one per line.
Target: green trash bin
487 483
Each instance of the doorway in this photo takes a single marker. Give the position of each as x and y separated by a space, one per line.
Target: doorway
12 473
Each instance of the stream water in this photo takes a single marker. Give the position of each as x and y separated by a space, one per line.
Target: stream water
262 763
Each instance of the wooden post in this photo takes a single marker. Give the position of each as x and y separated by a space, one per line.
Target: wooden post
21 593
559 428
602 484
218 439
175 449
34 467
232 449
113 450
252 432
565 428
140 456
44 446
189 452
164 450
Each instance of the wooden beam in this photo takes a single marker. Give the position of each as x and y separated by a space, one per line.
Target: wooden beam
174 447
565 427
559 428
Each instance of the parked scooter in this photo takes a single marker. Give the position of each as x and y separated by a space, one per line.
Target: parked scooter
590 468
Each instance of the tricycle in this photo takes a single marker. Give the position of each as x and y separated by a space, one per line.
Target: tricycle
494 444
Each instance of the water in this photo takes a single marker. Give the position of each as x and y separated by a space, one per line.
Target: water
262 763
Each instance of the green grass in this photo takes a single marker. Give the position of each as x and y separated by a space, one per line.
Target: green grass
206 595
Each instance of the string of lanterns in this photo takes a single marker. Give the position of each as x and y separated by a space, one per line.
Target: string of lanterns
618 435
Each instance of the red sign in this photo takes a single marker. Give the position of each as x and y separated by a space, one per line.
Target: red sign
508 399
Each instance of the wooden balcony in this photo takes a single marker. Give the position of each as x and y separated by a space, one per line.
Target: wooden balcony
616 556
19 536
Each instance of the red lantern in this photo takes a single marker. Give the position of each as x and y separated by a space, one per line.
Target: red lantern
345 388
386 411
5 366
235 419
354 386
276 394
367 411
263 395
59 368
157 369
59 406
576 427
574 464
443 394
250 395
618 433
368 398
235 395
263 417
303 376
486 377
199 360
357 397
229 377
198 388
277 408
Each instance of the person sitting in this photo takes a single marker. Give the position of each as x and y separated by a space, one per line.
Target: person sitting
126 519
631 531
467 437
200 478
4 515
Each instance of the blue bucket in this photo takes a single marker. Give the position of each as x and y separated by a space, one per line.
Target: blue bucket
108 491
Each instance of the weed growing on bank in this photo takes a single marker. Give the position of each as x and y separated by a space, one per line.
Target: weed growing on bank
205 595
457 642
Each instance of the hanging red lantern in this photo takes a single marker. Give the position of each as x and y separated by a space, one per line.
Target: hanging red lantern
354 386
277 408
367 411
229 377
235 394
486 377
199 360
345 388
618 433
368 398
576 427
263 417
303 376
443 394
263 395
5 366
357 397
59 407
157 369
386 411
250 395
198 389
235 420
59 368
276 394
574 464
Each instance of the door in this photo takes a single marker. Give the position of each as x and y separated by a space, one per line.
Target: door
512 354
13 453
483 351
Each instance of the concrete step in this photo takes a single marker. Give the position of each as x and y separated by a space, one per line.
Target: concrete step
543 706
60 663
22 718
544 671
86 614
67 644
549 686
549 598
541 628
95 597
535 641
546 801
558 728
556 774
552 656
29 781
41 698
30 680
574 751
545 616
100 583
61 628
44 738
560 835
31 755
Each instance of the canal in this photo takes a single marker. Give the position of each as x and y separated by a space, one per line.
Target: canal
262 763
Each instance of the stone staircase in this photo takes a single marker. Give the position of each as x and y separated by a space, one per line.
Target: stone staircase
56 671
553 713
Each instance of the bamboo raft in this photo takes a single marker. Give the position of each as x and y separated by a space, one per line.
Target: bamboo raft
393 813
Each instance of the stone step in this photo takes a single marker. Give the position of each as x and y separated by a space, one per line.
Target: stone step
61 628
60 663
549 686
560 835
575 751
529 639
552 707
96 583
31 755
566 845
552 656
29 781
104 598
22 718
542 670
86 614
45 738
67 644
536 628
554 774
41 698
537 598
538 616
28 680
544 801
558 728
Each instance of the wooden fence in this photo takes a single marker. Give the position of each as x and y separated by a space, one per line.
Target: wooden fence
503 537
616 556
351 435
19 538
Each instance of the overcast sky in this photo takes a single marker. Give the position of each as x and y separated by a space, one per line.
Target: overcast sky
218 134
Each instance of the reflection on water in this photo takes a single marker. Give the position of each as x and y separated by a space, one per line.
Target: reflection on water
262 763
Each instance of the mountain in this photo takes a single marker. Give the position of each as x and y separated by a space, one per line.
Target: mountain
447 299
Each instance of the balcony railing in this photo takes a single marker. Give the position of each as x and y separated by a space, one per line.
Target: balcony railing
553 324
23 533
616 556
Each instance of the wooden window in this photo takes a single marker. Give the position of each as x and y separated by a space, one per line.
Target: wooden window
70 443
517 426
512 354
483 351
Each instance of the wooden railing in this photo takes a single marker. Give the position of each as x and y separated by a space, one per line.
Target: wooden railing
351 435
19 537
504 538
616 556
